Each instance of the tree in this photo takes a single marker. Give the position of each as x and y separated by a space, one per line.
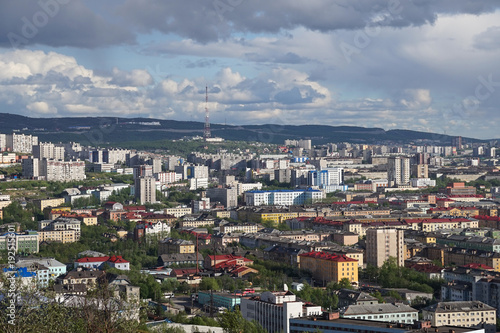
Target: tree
208 283
233 322
344 283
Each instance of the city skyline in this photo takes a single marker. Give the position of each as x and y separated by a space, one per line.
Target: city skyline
390 64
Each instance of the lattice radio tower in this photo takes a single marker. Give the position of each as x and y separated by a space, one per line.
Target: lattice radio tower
206 131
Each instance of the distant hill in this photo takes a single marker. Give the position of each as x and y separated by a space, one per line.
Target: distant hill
112 130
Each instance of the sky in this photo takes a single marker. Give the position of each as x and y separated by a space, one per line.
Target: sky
422 65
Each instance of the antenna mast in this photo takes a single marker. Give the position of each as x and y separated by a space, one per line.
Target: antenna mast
206 132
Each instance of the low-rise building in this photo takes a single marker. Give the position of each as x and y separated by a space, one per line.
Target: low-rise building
99 262
228 301
166 260
399 313
239 227
328 267
472 314
172 245
26 242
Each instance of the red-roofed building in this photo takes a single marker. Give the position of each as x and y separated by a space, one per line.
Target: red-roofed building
135 208
327 267
230 264
98 262
479 266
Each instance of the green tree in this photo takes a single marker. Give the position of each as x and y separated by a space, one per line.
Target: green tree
208 283
233 322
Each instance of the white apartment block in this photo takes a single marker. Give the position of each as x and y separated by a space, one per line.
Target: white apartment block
178 211
20 143
244 187
246 228
7 158
168 177
196 183
3 142
154 228
399 313
398 170
53 170
62 171
273 310
282 197
49 151
423 182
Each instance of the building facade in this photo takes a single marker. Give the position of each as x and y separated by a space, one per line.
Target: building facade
381 244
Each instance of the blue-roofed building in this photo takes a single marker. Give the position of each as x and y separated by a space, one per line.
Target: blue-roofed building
22 274
282 197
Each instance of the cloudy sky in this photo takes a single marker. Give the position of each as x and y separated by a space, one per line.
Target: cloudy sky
430 65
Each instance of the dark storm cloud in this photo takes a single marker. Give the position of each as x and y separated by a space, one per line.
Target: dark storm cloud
205 21
56 23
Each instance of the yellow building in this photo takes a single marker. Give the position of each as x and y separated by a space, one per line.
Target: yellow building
60 236
426 238
221 214
170 245
276 217
87 219
43 203
327 267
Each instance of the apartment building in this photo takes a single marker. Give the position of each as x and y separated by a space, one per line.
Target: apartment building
171 245
282 197
239 227
20 143
178 211
145 190
273 310
327 267
49 151
472 314
226 196
49 202
26 242
398 170
46 269
381 244
399 313
60 224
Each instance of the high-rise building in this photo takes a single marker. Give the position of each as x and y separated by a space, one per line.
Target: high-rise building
53 170
226 196
456 141
20 143
145 190
398 170
381 244
143 171
48 150
326 177
420 170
